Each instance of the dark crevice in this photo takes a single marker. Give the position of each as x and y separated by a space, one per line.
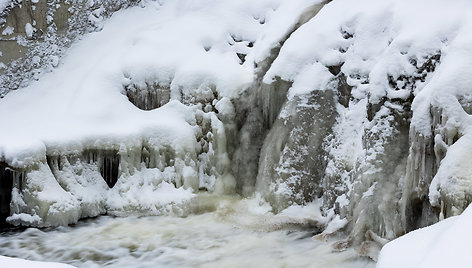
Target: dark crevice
149 96
6 187
420 214
108 163
9 179
242 57
373 108
109 169
336 69
343 90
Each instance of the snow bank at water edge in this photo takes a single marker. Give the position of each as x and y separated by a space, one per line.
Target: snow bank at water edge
14 262
446 243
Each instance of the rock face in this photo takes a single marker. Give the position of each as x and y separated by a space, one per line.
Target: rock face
293 158
35 34
348 112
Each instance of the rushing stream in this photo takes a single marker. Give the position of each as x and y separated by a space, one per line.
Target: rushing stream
238 233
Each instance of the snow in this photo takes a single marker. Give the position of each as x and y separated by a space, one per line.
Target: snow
335 225
370 191
325 41
16 262
454 176
4 4
444 244
29 29
44 194
305 213
145 193
8 30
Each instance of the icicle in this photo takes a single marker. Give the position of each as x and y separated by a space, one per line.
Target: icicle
6 186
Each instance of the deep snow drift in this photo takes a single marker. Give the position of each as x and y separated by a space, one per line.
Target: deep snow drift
363 108
446 243
14 262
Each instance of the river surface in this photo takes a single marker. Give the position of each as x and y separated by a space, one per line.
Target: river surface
235 234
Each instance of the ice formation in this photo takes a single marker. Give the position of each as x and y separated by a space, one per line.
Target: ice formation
142 127
400 119
363 108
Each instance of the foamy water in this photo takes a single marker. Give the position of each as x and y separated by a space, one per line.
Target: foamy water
233 235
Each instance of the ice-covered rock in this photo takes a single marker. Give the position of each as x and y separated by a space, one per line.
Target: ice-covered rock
16 262
400 118
293 159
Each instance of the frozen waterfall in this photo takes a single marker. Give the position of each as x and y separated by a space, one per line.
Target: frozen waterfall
351 120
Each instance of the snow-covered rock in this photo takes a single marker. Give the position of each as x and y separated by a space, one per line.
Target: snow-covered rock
401 105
